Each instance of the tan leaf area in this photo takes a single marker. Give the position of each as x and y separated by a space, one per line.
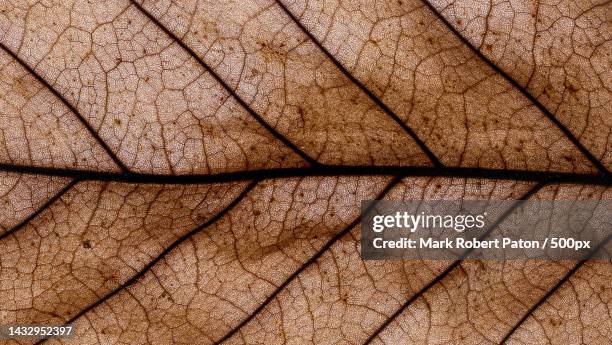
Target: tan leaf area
21 195
578 313
192 172
480 302
212 284
154 106
281 73
558 50
94 238
37 129
466 112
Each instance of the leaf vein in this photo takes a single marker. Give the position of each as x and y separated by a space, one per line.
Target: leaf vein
321 170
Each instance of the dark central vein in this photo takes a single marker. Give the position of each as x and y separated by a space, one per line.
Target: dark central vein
320 170
522 90
161 255
229 89
80 117
434 159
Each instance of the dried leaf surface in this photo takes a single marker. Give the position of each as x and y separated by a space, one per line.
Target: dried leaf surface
559 51
191 172
22 194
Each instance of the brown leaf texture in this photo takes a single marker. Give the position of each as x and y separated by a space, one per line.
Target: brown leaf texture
558 51
191 172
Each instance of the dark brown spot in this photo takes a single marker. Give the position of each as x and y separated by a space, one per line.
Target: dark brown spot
571 87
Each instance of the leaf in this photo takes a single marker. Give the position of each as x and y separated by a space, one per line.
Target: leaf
192 172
